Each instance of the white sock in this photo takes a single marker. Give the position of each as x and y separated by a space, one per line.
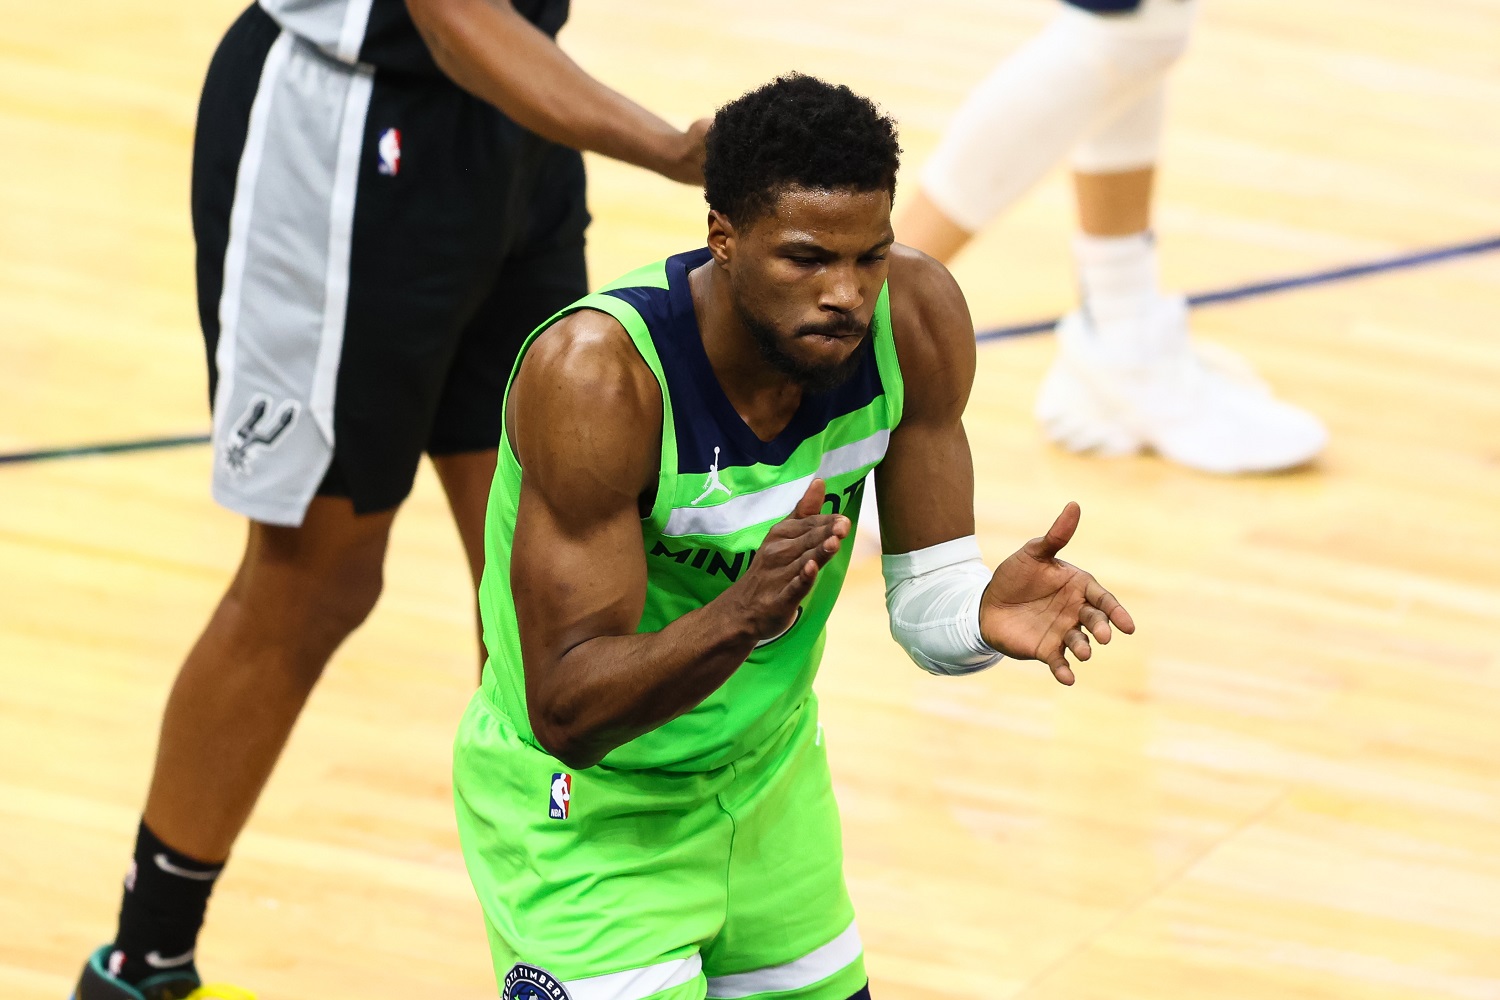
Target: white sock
1120 280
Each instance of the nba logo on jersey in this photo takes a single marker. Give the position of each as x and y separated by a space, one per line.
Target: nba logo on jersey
389 151
562 795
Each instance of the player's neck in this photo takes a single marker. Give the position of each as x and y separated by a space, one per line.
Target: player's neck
765 398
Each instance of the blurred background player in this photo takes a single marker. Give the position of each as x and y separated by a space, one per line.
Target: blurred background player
375 239
1127 377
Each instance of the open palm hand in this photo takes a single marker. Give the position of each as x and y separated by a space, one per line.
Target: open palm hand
1037 607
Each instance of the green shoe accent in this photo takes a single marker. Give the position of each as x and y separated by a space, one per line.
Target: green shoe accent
96 983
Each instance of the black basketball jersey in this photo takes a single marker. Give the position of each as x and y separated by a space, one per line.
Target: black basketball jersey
380 33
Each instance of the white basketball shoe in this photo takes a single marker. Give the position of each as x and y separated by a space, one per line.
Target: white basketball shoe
1153 388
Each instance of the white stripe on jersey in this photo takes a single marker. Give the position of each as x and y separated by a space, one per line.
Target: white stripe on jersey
774 502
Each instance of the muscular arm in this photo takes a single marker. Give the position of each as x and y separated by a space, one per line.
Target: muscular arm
585 419
493 52
1035 606
925 485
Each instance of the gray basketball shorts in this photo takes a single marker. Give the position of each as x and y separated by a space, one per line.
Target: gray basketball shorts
373 248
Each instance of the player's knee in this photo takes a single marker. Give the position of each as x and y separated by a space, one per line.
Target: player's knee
347 597
1134 49
331 613
1075 76
1129 141
308 603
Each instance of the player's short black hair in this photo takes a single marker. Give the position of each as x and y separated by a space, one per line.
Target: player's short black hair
796 130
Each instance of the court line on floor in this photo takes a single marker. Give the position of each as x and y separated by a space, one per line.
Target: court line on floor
1232 294
1259 288
107 448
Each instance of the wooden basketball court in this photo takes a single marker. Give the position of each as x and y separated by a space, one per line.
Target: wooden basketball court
1286 785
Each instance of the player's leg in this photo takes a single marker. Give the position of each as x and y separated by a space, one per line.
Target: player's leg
1095 62
790 930
316 335
1078 72
245 680
297 594
1113 179
607 888
1127 375
1114 203
466 477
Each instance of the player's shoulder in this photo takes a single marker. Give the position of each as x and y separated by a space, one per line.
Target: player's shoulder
922 277
930 319
588 356
925 299
585 405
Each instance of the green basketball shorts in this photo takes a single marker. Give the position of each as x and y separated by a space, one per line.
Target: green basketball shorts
606 884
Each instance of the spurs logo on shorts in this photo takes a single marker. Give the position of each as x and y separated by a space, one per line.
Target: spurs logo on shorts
527 982
256 430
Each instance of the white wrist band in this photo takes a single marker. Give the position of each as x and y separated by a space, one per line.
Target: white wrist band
933 597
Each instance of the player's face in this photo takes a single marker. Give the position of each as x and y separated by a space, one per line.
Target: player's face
805 278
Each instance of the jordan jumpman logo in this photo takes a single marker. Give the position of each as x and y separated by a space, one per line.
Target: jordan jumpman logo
713 481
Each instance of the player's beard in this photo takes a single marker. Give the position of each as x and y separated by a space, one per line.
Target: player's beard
813 378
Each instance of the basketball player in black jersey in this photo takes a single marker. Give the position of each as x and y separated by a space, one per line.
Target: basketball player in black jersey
387 197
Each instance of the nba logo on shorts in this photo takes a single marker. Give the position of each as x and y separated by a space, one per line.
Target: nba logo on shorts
389 151
562 794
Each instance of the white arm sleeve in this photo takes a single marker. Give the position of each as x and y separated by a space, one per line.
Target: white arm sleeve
933 595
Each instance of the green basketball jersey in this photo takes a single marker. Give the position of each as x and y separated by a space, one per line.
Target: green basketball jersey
720 490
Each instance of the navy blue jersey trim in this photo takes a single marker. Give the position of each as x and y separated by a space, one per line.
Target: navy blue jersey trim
704 417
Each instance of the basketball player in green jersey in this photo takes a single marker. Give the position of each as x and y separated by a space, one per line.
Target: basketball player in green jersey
642 788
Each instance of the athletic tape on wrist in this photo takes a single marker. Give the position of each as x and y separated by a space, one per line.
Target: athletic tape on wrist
932 596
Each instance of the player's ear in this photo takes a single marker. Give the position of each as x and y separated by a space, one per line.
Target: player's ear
720 236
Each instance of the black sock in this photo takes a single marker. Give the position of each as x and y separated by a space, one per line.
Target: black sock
166 894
